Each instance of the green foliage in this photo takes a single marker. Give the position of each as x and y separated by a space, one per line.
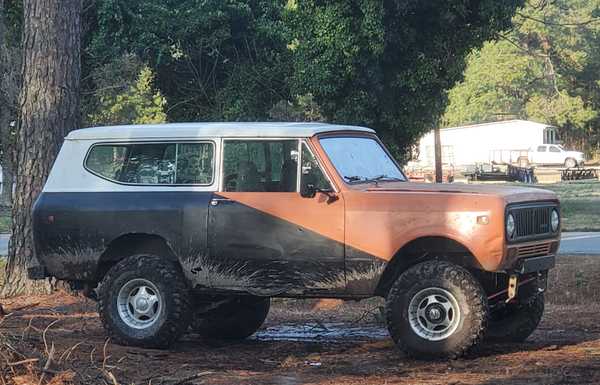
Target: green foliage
13 15
498 80
5 223
132 100
302 109
561 110
382 64
387 64
11 24
214 59
546 69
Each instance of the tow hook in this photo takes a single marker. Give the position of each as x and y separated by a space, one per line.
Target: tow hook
512 287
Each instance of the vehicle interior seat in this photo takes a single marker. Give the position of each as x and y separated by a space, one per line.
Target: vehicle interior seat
289 172
248 178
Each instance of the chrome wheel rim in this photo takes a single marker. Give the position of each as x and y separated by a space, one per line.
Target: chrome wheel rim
139 303
434 314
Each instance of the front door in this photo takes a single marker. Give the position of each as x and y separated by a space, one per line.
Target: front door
555 155
264 237
540 156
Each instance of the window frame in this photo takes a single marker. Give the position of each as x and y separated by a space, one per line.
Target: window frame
126 143
255 139
319 164
359 135
300 140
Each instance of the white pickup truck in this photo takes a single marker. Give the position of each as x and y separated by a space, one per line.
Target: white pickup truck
555 154
543 154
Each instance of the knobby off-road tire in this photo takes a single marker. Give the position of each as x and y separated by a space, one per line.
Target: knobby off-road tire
436 289
516 322
157 287
235 320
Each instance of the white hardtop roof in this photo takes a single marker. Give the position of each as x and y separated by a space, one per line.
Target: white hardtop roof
522 123
209 130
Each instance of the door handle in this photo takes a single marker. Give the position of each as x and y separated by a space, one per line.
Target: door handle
216 201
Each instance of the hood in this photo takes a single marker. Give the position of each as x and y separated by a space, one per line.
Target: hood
574 154
511 194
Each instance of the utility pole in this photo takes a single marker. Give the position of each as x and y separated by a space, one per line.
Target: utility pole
438 155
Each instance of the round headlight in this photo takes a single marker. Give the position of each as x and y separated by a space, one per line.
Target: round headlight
554 220
510 225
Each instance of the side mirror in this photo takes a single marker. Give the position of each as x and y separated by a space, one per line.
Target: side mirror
308 191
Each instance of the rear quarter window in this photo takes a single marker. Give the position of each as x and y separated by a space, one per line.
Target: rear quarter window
153 163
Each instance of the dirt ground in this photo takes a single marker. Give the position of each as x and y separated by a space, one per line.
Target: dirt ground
303 342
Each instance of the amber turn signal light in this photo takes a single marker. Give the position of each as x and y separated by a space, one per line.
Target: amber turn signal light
483 220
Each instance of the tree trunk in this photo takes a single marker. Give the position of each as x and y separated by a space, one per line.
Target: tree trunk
49 109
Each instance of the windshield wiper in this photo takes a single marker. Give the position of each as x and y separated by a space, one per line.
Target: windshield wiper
356 178
386 177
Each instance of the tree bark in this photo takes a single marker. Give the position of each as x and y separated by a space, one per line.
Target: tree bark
49 109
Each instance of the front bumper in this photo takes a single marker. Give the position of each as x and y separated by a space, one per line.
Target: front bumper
535 264
525 280
515 254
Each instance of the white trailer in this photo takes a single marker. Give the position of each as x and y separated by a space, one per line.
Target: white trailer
482 143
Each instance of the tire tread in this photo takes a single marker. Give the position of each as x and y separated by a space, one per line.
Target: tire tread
177 321
476 298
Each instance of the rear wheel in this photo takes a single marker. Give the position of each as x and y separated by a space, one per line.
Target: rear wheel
570 163
436 310
516 322
235 319
143 301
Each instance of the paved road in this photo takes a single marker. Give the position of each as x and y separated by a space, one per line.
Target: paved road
580 243
572 243
4 244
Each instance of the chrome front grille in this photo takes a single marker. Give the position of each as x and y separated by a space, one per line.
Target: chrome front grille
534 250
532 222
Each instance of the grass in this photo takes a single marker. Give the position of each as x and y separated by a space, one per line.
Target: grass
5 220
2 271
580 204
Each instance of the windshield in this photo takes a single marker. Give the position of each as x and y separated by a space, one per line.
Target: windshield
361 159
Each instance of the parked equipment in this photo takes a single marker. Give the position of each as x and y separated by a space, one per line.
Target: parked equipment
579 174
487 172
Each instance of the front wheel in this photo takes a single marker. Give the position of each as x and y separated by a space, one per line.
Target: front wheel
436 310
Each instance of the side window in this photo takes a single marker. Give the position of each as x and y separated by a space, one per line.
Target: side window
107 161
154 163
260 165
541 149
554 149
194 163
311 173
149 164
